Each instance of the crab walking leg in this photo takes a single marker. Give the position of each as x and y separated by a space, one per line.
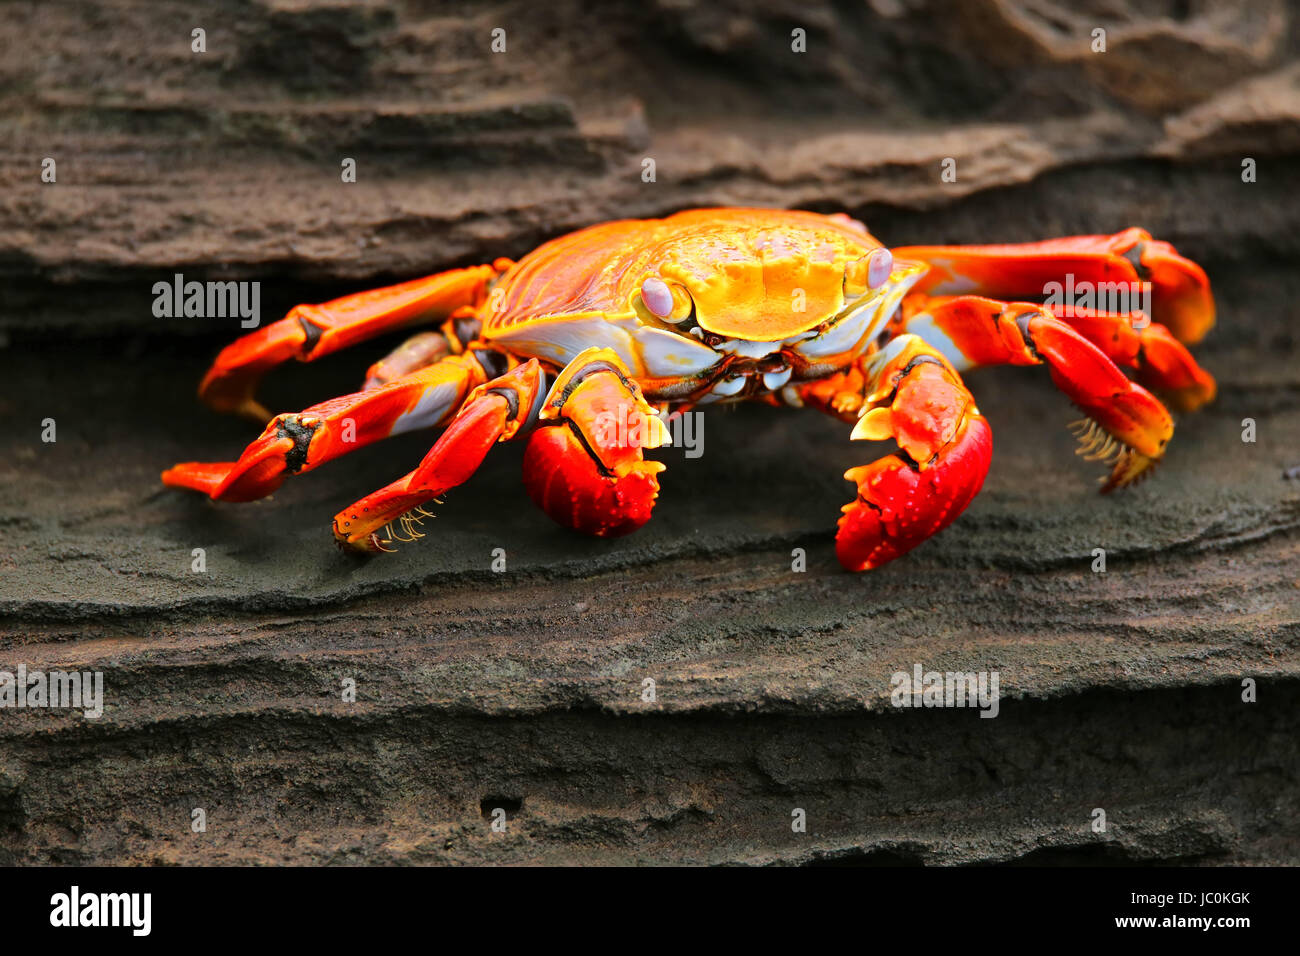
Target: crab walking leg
310 331
1129 339
584 465
294 443
1110 265
419 351
494 411
910 393
1162 363
1128 425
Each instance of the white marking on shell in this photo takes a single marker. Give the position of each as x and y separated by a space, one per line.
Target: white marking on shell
870 316
892 349
906 275
844 334
790 395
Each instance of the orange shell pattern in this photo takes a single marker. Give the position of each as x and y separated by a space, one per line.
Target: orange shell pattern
744 268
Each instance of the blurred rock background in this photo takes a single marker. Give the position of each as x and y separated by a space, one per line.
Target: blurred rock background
524 690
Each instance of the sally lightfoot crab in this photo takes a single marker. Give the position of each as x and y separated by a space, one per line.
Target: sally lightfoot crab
582 343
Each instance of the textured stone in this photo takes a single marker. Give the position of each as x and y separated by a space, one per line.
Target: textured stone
523 690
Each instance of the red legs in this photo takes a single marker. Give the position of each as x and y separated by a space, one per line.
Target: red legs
310 331
1161 362
584 465
1127 425
1181 299
294 443
1130 339
419 351
494 411
910 393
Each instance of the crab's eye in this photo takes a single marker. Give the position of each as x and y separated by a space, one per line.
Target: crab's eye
671 303
880 264
658 298
869 272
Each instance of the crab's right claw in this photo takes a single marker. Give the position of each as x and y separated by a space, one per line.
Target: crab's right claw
945 447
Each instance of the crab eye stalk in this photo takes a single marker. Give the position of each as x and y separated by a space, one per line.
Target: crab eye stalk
669 303
870 272
880 266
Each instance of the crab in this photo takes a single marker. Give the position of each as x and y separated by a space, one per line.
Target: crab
583 345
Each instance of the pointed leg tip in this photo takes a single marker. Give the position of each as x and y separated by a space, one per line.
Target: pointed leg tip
363 547
1131 468
205 477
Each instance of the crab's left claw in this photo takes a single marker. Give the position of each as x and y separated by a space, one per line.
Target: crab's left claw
945 447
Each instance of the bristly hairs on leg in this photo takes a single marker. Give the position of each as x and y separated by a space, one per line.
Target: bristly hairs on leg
409 521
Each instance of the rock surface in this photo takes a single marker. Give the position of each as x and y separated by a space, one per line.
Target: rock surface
524 690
